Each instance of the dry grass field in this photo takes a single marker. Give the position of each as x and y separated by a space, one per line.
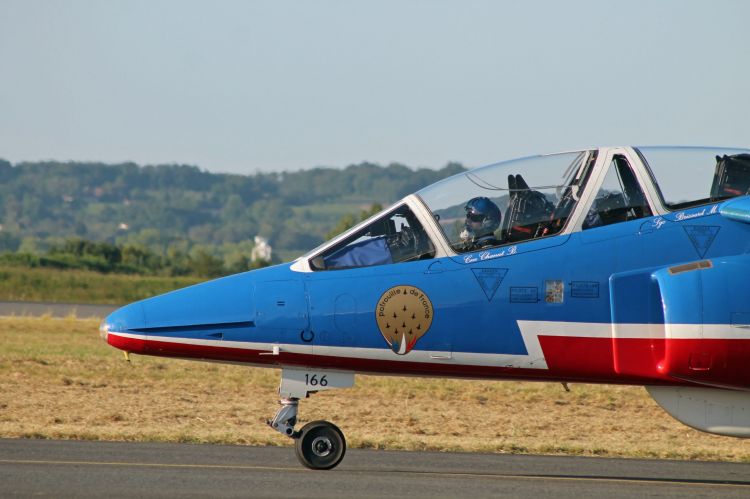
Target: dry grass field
59 380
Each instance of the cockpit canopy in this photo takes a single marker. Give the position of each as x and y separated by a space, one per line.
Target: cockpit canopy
692 176
536 197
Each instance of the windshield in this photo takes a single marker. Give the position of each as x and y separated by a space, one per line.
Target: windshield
691 176
508 202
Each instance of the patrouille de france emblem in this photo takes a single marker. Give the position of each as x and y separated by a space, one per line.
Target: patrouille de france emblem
403 314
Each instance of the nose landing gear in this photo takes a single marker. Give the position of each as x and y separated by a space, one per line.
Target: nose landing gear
319 445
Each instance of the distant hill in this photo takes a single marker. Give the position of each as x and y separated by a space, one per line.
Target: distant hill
168 207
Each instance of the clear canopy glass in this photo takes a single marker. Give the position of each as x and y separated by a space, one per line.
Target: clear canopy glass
691 176
534 195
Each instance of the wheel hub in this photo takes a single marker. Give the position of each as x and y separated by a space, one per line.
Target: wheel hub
322 446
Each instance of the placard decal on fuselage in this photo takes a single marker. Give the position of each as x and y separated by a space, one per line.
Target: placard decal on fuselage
554 291
584 289
403 314
521 294
489 280
702 237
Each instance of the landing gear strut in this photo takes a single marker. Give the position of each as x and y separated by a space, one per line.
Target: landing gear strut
286 417
319 445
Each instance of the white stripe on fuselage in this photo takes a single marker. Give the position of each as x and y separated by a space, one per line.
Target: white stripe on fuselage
530 332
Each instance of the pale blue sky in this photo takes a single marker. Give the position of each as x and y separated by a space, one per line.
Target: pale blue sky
240 86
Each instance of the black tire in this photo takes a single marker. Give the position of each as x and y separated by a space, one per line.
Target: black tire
320 445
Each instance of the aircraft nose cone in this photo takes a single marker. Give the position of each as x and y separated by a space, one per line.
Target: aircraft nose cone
104 330
119 328
196 312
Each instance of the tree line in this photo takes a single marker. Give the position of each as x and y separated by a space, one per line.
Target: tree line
104 257
180 214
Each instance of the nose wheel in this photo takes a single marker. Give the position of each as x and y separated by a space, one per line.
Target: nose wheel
320 445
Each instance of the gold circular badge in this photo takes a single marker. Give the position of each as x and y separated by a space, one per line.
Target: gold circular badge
403 314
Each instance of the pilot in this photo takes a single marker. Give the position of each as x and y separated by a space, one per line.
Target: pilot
482 220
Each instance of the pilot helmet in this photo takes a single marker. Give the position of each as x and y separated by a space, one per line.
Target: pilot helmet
482 218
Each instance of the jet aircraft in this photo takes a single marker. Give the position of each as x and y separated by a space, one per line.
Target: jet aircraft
623 265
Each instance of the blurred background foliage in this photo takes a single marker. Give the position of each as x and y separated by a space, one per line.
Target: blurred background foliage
179 220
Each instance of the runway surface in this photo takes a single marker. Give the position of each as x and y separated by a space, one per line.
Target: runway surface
115 469
37 309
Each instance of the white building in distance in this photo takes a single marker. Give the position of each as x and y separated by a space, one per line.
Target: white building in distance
262 250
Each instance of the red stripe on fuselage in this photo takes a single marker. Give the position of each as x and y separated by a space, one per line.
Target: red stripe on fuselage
713 362
132 345
579 359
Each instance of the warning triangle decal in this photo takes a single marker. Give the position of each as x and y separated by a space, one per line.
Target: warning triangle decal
702 236
489 280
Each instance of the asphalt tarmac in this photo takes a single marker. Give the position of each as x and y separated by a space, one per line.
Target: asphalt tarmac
118 469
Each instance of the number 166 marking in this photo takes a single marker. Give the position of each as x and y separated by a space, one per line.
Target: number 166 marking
313 380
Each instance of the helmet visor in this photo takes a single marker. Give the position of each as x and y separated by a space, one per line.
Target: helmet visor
475 217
